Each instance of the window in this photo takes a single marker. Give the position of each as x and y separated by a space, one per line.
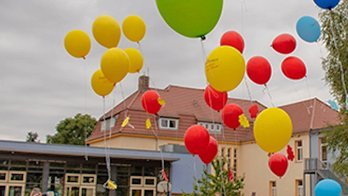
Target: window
168 123
212 127
108 123
299 150
80 184
299 188
229 152
323 151
143 186
222 151
272 188
235 161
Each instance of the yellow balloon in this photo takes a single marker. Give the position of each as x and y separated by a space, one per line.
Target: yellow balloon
134 28
106 31
225 68
77 43
115 64
100 84
136 60
272 129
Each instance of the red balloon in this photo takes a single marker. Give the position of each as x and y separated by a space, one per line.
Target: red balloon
284 43
294 68
253 110
215 99
210 152
230 115
150 103
259 70
278 163
233 39
196 139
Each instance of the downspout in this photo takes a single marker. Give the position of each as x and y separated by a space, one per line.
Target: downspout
310 142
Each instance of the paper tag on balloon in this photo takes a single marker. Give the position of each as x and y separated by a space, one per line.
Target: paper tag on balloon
244 121
125 122
161 101
148 124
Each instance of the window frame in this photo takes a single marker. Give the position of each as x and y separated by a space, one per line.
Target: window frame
297 148
6 176
321 145
272 188
218 127
297 186
168 121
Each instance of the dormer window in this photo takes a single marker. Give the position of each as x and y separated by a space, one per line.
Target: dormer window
212 127
168 123
108 123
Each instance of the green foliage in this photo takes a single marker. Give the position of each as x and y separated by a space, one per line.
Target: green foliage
218 183
32 137
335 38
338 141
73 130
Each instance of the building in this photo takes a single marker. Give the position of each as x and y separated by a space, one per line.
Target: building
71 170
185 107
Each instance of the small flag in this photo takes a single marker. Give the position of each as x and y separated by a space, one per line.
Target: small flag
244 121
290 153
125 122
111 185
164 175
148 124
161 101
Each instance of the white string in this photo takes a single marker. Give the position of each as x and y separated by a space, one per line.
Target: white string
266 90
107 156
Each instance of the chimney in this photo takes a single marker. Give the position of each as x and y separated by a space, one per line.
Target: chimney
143 83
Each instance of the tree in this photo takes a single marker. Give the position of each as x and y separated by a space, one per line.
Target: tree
218 183
32 137
73 130
335 64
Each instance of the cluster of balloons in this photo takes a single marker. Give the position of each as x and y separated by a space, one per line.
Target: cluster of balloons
198 142
115 63
292 67
230 113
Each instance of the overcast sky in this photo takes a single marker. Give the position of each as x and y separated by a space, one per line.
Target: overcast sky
40 84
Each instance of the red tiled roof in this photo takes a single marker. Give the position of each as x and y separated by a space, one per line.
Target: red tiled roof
311 114
188 105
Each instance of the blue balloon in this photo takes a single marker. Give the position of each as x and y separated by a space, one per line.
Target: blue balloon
308 29
328 187
327 4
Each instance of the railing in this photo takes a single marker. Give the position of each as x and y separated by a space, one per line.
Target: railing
313 164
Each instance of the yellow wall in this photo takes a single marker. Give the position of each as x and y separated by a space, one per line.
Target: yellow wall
135 143
254 166
252 162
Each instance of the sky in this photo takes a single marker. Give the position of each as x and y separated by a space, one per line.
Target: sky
40 84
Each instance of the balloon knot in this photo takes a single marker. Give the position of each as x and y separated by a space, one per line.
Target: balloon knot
84 58
203 37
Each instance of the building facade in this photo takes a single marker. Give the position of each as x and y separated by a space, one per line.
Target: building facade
68 170
186 106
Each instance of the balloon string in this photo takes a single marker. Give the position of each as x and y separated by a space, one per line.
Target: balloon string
248 90
107 156
85 107
266 90
204 53
141 51
338 61
307 86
